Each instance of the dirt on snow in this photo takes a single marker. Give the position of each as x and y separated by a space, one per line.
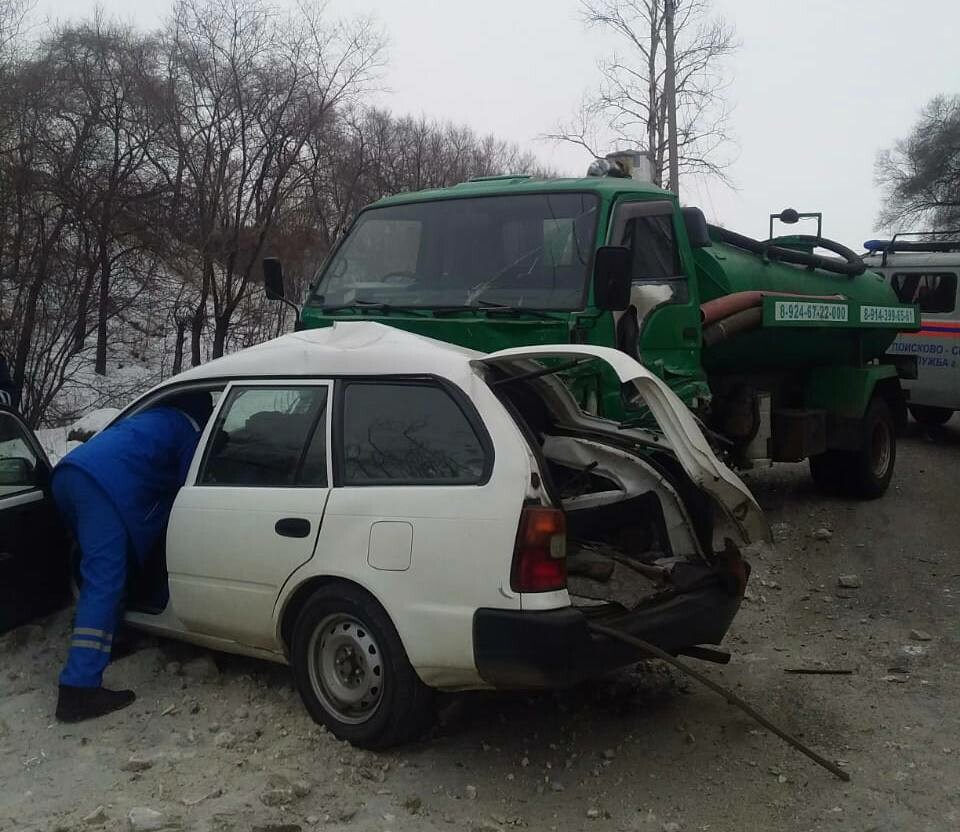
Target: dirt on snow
217 742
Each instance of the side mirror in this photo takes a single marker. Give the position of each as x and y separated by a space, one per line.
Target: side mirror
17 471
612 278
273 278
696 224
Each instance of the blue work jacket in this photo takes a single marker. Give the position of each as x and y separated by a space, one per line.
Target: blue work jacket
140 463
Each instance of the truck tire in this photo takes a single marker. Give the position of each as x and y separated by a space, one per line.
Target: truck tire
352 672
864 474
927 415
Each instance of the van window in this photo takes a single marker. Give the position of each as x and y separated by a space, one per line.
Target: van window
408 433
269 436
933 292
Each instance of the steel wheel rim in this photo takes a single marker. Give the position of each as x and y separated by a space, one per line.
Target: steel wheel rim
880 443
346 669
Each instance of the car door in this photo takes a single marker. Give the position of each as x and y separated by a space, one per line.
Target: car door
251 510
34 545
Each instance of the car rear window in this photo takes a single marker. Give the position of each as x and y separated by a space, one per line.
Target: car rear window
408 434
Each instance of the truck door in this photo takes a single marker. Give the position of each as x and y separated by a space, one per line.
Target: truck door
251 510
34 545
663 321
937 344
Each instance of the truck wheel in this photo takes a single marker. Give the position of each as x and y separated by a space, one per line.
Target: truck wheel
352 672
829 471
872 466
927 415
864 474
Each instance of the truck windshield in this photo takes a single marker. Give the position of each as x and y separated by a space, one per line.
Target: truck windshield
521 251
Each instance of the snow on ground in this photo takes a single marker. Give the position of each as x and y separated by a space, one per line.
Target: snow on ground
55 443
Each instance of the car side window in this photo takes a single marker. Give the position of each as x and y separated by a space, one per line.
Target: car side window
269 436
933 292
408 434
18 460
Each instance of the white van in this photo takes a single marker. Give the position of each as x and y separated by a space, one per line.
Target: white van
926 273
393 515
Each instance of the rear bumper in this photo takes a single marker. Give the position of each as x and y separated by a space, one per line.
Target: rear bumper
516 649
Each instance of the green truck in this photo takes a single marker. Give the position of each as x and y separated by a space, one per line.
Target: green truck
779 351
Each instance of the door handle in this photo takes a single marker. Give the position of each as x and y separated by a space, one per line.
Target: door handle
292 527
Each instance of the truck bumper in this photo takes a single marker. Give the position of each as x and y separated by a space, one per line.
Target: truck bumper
516 649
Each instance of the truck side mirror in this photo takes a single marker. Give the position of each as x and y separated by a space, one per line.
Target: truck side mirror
612 278
273 278
696 224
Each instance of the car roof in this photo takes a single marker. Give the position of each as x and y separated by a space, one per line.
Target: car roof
347 348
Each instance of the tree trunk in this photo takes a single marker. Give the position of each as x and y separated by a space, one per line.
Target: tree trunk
221 328
103 311
178 345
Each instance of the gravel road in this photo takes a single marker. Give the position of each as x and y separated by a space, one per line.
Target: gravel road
222 743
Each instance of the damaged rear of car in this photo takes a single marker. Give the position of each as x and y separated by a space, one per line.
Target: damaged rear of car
636 530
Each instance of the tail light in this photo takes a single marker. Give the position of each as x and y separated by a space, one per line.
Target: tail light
540 556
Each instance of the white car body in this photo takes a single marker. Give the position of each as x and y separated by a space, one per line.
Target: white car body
431 555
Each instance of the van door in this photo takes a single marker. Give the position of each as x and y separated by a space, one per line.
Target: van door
937 344
34 545
252 507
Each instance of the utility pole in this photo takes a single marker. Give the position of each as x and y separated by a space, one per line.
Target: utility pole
670 90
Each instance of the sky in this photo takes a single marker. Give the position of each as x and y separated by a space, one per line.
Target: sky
818 87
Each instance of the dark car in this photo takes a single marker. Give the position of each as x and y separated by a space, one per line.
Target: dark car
34 545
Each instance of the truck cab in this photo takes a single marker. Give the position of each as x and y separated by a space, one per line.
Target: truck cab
779 351
926 273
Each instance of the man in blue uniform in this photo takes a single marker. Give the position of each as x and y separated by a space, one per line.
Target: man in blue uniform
115 492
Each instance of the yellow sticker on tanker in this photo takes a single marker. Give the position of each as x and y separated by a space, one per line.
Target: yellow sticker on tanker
798 310
887 315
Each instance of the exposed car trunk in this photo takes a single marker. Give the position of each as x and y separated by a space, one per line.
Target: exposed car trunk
639 530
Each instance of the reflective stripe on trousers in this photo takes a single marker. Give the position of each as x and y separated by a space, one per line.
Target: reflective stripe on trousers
104 547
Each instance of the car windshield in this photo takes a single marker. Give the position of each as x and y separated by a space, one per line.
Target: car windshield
521 251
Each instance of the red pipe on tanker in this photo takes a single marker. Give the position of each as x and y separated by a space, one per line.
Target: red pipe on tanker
741 321
723 307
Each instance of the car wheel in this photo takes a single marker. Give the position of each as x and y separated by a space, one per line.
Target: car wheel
352 672
927 415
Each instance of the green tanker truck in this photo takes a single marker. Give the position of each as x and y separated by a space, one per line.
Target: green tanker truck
778 350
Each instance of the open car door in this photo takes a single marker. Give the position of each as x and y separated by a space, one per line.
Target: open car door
679 428
34 545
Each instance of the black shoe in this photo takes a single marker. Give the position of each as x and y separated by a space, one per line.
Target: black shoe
78 704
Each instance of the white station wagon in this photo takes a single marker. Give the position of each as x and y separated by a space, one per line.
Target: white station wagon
392 515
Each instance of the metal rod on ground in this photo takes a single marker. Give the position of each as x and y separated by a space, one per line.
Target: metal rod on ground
731 697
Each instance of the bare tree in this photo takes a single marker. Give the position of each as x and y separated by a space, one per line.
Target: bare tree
921 173
629 108
249 88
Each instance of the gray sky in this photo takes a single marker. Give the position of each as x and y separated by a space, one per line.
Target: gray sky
819 86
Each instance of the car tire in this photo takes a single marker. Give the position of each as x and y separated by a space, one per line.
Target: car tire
863 474
352 672
933 416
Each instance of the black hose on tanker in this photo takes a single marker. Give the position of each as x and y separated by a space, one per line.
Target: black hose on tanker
852 266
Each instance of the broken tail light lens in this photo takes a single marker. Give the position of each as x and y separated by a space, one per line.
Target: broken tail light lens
540 556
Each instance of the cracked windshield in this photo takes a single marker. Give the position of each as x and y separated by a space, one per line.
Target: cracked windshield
525 251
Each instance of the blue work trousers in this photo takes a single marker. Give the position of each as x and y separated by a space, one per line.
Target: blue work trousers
104 547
